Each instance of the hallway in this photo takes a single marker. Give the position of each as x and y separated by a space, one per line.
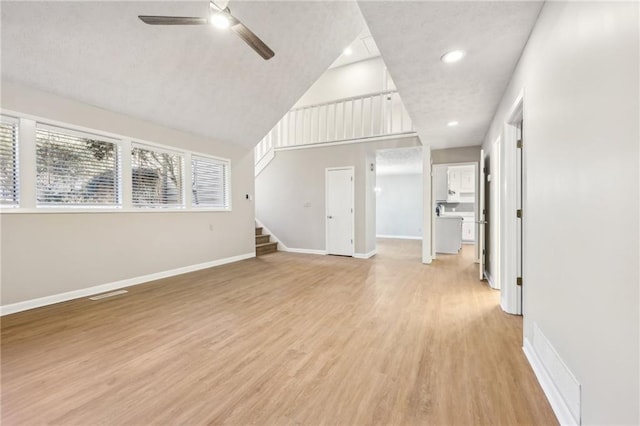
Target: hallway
281 339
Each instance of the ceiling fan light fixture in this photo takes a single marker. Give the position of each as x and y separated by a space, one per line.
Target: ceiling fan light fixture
452 123
453 56
220 20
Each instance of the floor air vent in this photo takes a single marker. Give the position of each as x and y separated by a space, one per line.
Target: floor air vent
110 294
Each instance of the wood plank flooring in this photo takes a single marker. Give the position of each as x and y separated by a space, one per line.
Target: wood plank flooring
281 339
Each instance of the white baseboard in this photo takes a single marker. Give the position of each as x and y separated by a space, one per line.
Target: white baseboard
305 251
490 280
90 291
281 246
559 406
365 255
399 237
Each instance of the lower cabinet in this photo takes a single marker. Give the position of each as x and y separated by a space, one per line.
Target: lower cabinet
468 230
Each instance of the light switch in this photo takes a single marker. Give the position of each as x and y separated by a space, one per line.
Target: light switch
307 204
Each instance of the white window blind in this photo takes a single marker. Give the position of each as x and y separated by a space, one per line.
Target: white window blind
9 188
210 182
156 177
76 169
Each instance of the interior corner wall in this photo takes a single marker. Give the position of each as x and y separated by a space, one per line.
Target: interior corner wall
290 192
399 205
45 254
580 77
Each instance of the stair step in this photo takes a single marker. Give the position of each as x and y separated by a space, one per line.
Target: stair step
258 230
265 238
266 248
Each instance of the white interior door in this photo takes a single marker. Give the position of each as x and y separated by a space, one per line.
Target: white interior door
481 216
339 201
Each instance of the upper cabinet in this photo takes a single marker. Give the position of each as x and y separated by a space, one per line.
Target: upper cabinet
461 184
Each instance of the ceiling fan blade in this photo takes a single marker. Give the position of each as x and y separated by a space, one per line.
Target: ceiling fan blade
252 40
172 20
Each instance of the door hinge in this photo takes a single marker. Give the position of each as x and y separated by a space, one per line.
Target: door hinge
519 213
484 252
351 210
351 178
519 144
519 281
351 241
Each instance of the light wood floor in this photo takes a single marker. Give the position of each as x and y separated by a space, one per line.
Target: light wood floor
280 339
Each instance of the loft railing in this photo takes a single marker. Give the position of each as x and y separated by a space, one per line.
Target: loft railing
375 115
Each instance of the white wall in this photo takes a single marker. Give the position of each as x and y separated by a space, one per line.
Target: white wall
579 73
399 205
45 254
290 192
359 78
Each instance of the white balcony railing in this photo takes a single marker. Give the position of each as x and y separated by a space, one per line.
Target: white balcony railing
375 115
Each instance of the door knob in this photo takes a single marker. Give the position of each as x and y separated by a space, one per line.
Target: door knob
329 217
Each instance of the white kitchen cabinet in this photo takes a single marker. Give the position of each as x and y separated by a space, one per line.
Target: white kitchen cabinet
467 180
453 184
440 183
448 234
468 230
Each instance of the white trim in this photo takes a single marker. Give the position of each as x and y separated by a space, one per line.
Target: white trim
264 161
399 237
428 223
366 255
305 251
347 141
559 406
94 210
490 280
90 291
281 246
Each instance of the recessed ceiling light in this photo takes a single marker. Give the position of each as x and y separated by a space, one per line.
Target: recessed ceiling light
220 20
348 51
453 56
452 123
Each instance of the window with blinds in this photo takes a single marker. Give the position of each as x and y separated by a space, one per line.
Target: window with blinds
76 169
209 182
9 187
156 177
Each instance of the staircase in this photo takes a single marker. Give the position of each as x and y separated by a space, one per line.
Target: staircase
264 244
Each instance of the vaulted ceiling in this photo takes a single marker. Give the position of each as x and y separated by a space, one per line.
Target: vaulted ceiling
201 80
192 78
413 35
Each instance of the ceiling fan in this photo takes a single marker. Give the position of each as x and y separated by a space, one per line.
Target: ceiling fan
220 17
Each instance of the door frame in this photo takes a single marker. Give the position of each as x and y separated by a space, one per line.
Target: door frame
353 207
476 205
511 294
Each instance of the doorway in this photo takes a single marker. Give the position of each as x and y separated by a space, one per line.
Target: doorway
454 203
399 197
339 190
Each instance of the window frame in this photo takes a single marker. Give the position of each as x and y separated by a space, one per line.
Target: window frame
226 179
64 130
26 160
183 184
15 121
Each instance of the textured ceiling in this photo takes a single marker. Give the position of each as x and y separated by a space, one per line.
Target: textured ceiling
364 47
412 36
399 161
193 78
